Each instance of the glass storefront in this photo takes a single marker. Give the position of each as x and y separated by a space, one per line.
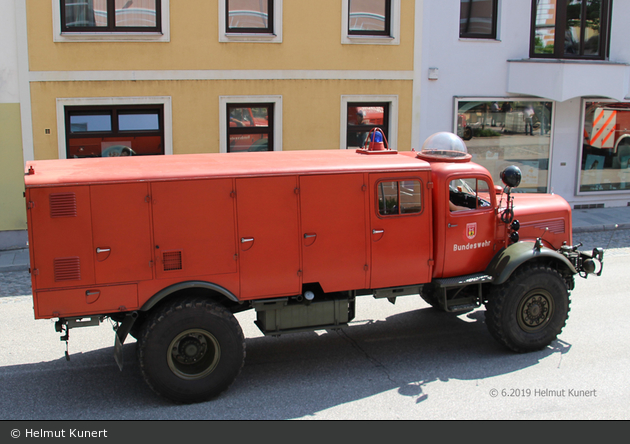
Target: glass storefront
500 133
605 147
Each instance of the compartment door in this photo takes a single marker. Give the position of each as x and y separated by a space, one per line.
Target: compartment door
268 236
332 208
62 236
122 232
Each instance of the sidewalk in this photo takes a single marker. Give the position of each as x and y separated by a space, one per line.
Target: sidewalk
596 219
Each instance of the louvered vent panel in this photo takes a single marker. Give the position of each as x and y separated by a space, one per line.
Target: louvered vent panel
67 269
555 226
63 205
172 260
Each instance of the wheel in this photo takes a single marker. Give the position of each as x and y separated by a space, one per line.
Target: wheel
468 133
528 311
191 350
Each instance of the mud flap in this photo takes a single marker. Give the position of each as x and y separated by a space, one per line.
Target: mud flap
121 332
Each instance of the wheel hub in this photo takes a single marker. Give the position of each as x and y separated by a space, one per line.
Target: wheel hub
535 311
193 354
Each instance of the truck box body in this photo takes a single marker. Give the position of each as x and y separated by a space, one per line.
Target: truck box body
258 224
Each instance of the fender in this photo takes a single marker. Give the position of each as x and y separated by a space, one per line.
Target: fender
506 261
184 286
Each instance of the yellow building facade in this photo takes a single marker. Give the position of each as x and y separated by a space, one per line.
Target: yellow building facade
173 74
193 68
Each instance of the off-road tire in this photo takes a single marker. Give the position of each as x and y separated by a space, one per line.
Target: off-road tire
191 350
530 309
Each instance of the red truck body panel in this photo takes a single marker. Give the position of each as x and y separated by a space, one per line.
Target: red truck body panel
259 225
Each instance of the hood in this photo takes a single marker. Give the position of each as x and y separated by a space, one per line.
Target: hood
547 216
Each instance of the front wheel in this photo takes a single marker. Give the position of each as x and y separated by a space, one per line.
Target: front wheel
529 311
191 350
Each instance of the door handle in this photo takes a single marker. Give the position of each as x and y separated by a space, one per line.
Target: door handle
378 231
247 239
452 225
103 250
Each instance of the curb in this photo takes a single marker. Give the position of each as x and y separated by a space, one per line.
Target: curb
599 228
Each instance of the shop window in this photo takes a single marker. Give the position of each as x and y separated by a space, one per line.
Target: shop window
122 16
250 127
469 194
364 117
399 197
500 133
478 19
570 28
249 16
605 147
106 131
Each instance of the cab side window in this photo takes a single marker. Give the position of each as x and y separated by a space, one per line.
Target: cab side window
468 194
399 197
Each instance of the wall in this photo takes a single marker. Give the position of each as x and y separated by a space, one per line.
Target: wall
12 206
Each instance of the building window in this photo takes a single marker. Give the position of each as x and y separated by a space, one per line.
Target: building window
369 17
570 28
110 16
249 127
250 21
362 117
374 22
478 19
399 197
605 147
500 133
111 131
255 16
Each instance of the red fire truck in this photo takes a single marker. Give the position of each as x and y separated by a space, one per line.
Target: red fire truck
171 247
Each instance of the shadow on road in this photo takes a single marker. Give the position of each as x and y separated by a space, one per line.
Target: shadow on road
293 376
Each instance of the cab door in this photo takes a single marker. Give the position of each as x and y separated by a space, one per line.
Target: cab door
401 242
470 226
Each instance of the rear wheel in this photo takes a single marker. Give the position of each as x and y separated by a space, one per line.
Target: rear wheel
528 311
191 350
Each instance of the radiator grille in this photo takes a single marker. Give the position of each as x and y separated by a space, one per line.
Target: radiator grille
63 205
172 260
67 269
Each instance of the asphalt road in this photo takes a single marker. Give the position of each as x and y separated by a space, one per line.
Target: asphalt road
402 361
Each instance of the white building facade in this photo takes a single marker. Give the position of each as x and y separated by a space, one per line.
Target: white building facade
543 84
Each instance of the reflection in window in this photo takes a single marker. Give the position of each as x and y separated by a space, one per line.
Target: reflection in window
107 131
478 19
570 28
110 15
363 117
250 127
254 16
606 147
502 133
369 17
399 197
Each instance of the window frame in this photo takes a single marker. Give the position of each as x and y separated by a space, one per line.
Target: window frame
493 35
123 34
393 37
101 102
392 124
560 29
276 118
267 30
273 36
